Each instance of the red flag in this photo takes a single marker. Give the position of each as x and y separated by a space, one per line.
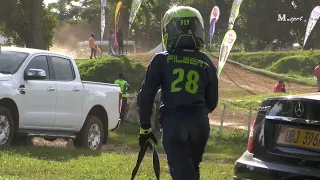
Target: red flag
116 20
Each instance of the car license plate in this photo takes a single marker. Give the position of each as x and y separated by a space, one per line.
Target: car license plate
303 138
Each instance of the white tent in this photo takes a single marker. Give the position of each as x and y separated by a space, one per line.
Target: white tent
157 49
3 40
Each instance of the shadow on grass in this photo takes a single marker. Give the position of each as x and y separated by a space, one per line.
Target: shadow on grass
48 153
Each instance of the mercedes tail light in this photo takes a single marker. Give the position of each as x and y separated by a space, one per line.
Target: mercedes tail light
251 138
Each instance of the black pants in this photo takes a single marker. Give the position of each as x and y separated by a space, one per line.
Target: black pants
121 47
184 140
123 109
93 53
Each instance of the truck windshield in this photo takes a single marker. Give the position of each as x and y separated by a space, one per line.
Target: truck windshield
10 61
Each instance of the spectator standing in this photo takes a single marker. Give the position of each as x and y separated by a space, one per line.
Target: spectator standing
124 86
120 38
111 42
93 46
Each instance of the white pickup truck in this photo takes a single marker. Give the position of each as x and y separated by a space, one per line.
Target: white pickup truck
42 95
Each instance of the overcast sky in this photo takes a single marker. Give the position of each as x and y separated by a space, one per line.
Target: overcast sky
72 2
49 1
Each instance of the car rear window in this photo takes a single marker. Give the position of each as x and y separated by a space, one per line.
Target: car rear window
288 108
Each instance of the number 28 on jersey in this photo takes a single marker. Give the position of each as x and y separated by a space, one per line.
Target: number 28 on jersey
191 79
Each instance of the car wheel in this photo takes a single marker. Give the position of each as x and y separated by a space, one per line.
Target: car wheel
91 135
6 127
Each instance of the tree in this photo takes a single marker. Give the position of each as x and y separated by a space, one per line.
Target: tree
66 12
34 12
29 23
257 26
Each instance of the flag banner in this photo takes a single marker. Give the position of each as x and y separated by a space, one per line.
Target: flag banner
134 10
116 18
135 6
99 50
314 16
103 18
215 13
226 45
234 12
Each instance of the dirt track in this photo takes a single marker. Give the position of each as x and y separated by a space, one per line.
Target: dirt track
233 77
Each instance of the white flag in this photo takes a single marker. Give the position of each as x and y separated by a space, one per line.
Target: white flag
314 16
103 17
226 46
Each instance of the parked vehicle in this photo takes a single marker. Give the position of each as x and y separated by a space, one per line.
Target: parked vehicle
284 141
42 95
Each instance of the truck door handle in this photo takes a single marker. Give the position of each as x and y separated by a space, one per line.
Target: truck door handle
50 88
75 89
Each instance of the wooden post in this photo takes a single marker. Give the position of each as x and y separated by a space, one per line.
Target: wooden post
222 118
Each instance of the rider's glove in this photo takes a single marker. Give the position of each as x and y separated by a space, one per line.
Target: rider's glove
146 134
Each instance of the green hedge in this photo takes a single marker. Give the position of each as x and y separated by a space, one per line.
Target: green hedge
291 63
259 59
302 65
107 70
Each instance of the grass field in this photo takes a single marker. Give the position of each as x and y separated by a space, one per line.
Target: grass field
117 163
245 102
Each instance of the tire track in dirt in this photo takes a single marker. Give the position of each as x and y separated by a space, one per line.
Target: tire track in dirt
235 77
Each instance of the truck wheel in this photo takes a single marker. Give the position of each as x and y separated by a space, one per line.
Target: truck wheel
92 134
6 127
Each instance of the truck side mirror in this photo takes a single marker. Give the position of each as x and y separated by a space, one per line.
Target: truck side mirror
35 74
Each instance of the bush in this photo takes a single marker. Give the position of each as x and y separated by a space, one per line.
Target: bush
294 63
259 59
302 65
107 70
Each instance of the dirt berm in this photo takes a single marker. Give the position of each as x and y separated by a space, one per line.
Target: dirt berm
234 77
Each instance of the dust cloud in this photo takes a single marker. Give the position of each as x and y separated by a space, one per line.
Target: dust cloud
67 36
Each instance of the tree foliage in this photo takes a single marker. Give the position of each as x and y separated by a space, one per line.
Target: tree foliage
28 22
257 25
